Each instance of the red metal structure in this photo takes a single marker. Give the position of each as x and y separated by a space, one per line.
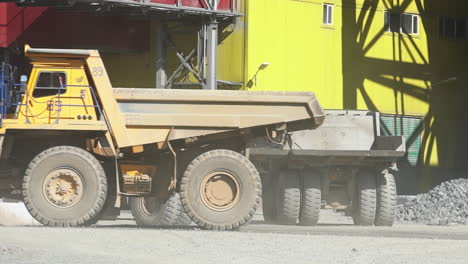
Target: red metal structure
123 25
222 5
15 20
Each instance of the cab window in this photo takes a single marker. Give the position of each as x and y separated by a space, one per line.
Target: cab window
50 83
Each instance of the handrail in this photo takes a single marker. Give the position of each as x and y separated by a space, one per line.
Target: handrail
27 114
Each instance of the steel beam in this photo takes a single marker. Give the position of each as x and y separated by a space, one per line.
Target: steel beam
5 55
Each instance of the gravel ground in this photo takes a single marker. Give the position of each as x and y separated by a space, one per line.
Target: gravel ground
336 240
132 245
446 204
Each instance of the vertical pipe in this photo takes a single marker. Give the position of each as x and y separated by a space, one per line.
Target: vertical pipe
5 56
161 56
212 56
201 50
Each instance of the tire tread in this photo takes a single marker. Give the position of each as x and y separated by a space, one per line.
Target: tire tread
102 187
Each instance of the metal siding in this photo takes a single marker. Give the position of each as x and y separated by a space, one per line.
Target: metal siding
410 128
16 20
303 55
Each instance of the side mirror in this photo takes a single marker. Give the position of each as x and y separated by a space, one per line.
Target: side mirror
24 83
24 79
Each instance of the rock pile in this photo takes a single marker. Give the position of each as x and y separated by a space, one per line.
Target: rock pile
444 205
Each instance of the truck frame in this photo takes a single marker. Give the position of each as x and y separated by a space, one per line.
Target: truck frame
72 145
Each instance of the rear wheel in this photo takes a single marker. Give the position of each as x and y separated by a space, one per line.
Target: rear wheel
289 197
311 197
268 199
386 199
220 190
150 211
365 199
65 186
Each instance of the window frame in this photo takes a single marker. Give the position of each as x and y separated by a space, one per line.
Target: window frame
443 26
415 27
60 91
413 16
328 10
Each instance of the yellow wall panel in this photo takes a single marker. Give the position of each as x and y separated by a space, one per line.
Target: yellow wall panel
303 54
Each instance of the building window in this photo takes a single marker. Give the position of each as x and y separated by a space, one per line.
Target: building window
451 28
49 84
327 14
401 23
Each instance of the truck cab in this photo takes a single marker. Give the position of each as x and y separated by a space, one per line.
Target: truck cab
57 92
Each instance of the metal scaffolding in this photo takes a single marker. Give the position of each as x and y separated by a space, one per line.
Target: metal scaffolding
201 62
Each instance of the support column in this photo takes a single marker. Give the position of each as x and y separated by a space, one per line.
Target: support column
212 56
161 56
4 55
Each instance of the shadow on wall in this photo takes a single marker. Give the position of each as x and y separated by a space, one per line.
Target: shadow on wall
404 74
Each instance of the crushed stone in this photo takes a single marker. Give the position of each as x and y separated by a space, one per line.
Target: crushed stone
446 204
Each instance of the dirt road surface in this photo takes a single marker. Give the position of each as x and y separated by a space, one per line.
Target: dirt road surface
334 242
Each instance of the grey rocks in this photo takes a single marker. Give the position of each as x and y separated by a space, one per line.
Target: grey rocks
446 204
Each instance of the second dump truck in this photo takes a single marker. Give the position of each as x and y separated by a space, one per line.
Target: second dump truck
72 145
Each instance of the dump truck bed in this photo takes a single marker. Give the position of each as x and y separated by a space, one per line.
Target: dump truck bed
145 116
346 138
149 114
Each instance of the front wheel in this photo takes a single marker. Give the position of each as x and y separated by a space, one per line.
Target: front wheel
220 190
65 186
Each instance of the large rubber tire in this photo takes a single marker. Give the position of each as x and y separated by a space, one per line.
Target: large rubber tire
269 199
386 200
311 201
184 219
289 197
149 211
365 199
241 210
91 174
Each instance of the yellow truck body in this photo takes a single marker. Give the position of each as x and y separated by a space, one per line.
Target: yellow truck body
140 142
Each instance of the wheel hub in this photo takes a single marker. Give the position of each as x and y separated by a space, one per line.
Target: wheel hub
220 190
63 188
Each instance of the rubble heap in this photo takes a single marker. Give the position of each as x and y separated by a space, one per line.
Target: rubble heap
445 204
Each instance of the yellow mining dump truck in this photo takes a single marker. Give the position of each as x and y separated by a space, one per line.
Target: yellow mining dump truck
72 145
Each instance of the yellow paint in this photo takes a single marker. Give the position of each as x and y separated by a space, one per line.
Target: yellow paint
135 169
354 64
304 55
70 106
